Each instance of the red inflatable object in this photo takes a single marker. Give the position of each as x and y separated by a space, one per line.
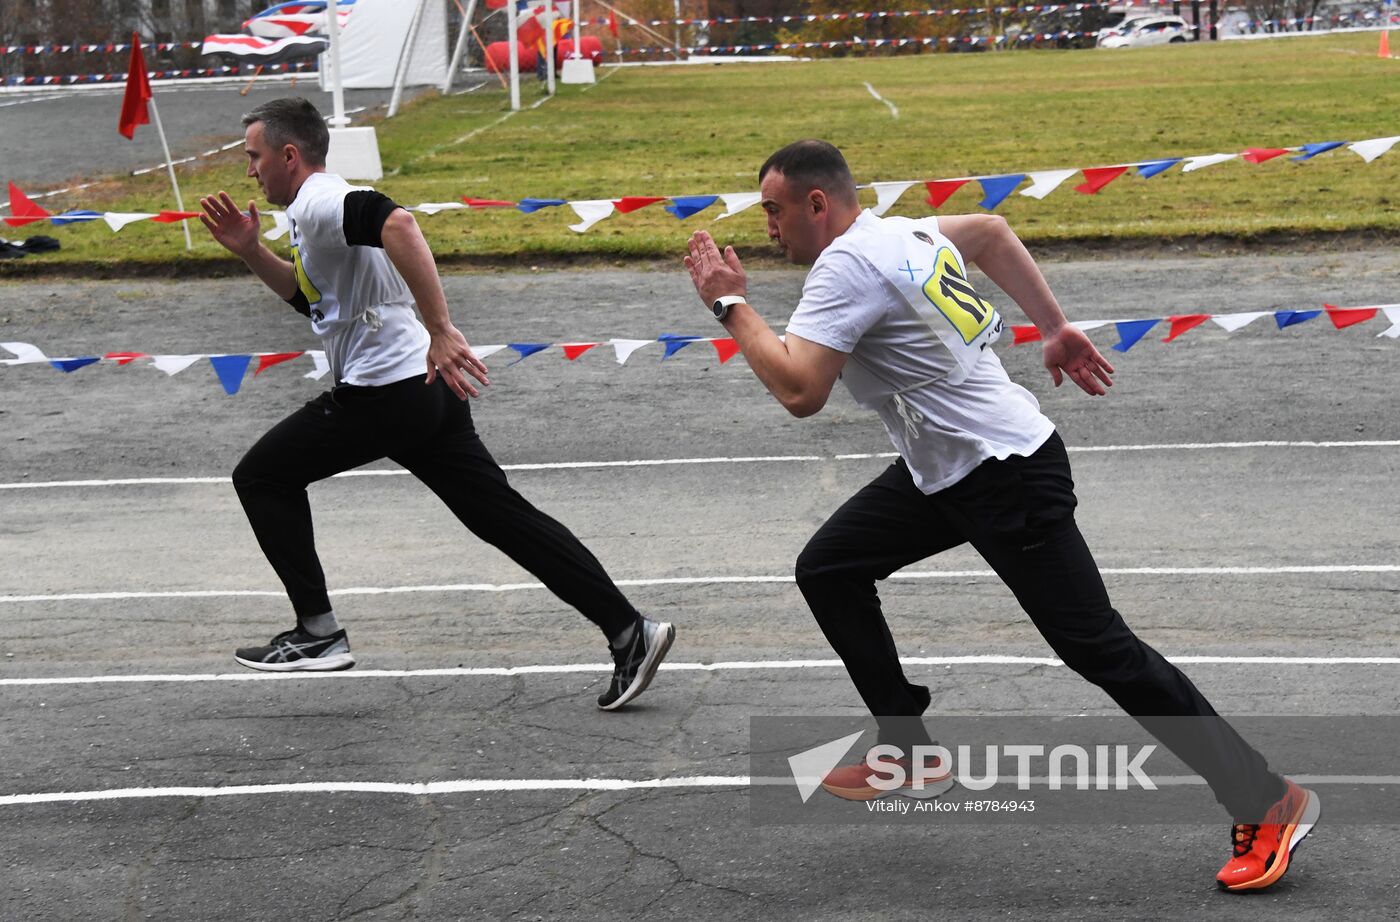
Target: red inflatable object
590 47
498 57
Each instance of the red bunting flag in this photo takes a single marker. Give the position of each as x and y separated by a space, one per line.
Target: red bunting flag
1183 322
633 202
574 350
1260 154
1024 334
23 210
725 349
1095 178
170 217
125 358
486 202
138 93
940 189
1343 317
277 358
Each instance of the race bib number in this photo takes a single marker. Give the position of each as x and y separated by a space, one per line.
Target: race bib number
949 290
313 296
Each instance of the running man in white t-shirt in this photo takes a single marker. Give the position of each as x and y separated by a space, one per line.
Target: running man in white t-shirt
887 308
359 266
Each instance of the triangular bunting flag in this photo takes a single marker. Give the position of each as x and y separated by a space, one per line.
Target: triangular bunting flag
71 365
25 353
1376 147
1393 315
590 213
1183 322
125 358
230 369
939 190
1343 317
1291 318
531 205
686 205
485 352
630 203
74 217
1193 164
726 349
486 203
1085 326
995 189
1045 182
1153 167
675 342
280 225
116 220
1260 154
320 368
432 208
1024 333
22 210
174 364
526 349
1232 322
625 348
1312 150
1096 177
277 358
1130 331
574 350
170 217
887 193
735 202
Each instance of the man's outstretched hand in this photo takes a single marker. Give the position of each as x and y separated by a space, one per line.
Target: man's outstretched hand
449 355
1069 352
238 232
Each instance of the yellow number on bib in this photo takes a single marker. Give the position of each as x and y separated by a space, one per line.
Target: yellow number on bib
949 290
312 295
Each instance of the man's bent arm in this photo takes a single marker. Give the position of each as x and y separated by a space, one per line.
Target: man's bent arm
276 273
988 241
797 371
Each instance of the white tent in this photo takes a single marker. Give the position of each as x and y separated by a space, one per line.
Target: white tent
373 39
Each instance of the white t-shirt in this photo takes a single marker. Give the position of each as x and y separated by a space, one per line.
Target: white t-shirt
361 307
919 350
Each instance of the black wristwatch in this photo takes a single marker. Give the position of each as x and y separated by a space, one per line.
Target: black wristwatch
722 305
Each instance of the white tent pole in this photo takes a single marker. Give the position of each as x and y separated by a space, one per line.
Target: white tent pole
550 18
512 38
575 10
338 119
405 59
170 167
460 47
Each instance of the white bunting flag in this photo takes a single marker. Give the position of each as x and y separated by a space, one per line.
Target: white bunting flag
1193 164
1043 183
431 208
1086 325
485 352
280 225
174 364
735 202
26 354
1370 150
590 213
323 367
1233 322
625 348
116 220
887 193
1393 315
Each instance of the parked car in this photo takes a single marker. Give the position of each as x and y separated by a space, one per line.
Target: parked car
1120 24
1155 30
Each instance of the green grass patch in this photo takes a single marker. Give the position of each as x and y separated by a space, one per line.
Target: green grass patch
695 130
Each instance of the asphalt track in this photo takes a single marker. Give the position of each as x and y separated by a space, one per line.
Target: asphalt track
1237 490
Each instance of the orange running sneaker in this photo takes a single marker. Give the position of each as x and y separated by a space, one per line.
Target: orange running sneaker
1262 850
853 782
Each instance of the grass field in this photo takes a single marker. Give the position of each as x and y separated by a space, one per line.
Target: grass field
690 130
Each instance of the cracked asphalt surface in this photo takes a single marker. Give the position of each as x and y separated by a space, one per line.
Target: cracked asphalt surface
685 853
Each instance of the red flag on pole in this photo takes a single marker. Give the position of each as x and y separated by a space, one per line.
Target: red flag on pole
612 24
138 92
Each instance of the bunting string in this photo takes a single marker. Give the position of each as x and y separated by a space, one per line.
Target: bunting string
231 369
188 73
995 189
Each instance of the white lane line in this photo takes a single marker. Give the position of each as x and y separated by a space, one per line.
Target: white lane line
117 596
736 665
411 789
665 462
893 111
510 785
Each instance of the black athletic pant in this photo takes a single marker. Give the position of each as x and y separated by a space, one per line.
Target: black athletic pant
1019 515
429 431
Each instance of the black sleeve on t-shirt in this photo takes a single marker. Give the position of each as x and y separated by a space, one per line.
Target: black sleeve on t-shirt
365 214
299 302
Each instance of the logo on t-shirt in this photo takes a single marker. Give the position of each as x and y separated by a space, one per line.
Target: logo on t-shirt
948 289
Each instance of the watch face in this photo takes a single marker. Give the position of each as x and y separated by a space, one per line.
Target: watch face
720 309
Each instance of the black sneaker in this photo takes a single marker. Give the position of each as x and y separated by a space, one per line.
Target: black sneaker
297 650
634 665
